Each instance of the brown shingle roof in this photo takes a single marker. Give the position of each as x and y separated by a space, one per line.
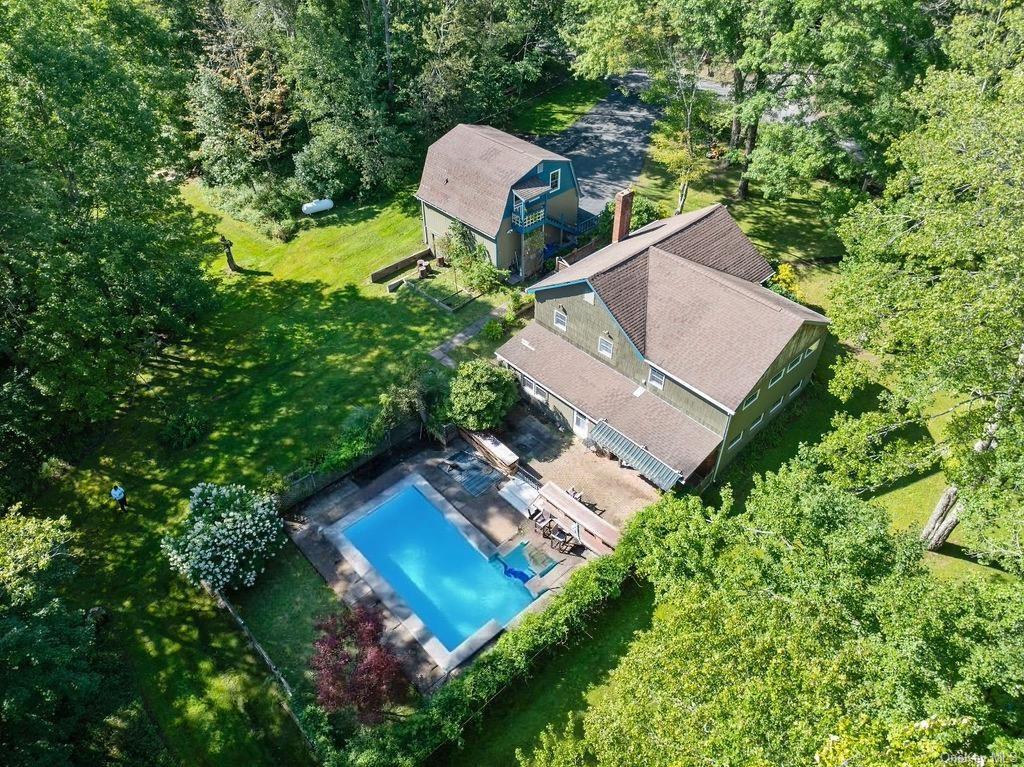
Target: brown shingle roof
717 241
695 310
623 288
530 187
602 393
715 332
469 170
617 252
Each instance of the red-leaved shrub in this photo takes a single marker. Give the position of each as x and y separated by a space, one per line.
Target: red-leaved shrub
351 667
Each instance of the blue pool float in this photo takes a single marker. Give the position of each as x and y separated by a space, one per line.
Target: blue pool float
519 575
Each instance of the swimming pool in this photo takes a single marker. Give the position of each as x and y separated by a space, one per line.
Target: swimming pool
444 570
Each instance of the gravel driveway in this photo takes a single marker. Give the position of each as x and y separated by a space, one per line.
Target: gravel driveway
607 145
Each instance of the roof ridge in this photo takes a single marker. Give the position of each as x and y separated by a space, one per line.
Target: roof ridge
706 211
742 287
494 135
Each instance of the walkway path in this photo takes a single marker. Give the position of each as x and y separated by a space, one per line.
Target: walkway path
463 336
607 145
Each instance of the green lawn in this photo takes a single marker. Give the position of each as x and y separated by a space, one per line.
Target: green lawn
294 343
558 108
281 610
560 684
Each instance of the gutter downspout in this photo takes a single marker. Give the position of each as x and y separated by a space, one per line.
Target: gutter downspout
722 449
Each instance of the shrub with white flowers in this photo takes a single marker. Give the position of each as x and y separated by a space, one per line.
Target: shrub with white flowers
228 536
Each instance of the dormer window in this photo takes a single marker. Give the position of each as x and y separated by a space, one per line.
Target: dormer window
555 180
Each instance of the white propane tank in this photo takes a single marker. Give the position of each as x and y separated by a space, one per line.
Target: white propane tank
317 206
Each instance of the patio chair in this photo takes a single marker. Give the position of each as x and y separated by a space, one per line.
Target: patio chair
542 523
560 537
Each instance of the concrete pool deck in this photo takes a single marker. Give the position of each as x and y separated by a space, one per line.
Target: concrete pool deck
493 521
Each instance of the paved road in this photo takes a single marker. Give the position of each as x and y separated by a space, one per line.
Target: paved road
608 144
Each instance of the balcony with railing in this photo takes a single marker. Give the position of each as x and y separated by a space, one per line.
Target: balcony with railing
526 221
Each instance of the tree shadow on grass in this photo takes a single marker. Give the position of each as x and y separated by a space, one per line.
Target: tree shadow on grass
352 212
790 229
274 371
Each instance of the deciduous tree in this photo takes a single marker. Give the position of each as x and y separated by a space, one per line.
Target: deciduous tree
932 287
99 258
482 394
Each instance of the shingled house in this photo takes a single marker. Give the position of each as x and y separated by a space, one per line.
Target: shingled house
665 348
518 199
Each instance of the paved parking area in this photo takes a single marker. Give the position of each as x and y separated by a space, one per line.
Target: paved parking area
607 145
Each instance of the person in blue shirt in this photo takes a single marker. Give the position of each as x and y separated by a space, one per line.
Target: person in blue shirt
118 494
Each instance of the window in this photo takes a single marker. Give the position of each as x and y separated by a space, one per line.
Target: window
555 180
589 296
656 379
751 399
756 423
579 421
604 346
777 405
561 321
735 442
776 378
812 348
793 365
796 388
534 389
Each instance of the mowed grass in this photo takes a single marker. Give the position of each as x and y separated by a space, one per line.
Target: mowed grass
282 610
558 108
292 345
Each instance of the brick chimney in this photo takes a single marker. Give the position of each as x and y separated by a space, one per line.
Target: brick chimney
623 214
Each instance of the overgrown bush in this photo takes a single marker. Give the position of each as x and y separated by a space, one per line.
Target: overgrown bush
183 426
416 393
517 300
228 536
471 260
482 394
494 330
786 283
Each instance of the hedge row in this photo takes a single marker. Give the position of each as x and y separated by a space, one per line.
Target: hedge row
407 742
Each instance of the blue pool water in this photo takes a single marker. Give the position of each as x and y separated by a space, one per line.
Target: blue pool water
430 564
519 559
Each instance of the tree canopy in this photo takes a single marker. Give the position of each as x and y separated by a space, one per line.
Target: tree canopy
797 631
931 286
99 259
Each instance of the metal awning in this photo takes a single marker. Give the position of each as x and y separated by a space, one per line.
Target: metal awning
614 441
